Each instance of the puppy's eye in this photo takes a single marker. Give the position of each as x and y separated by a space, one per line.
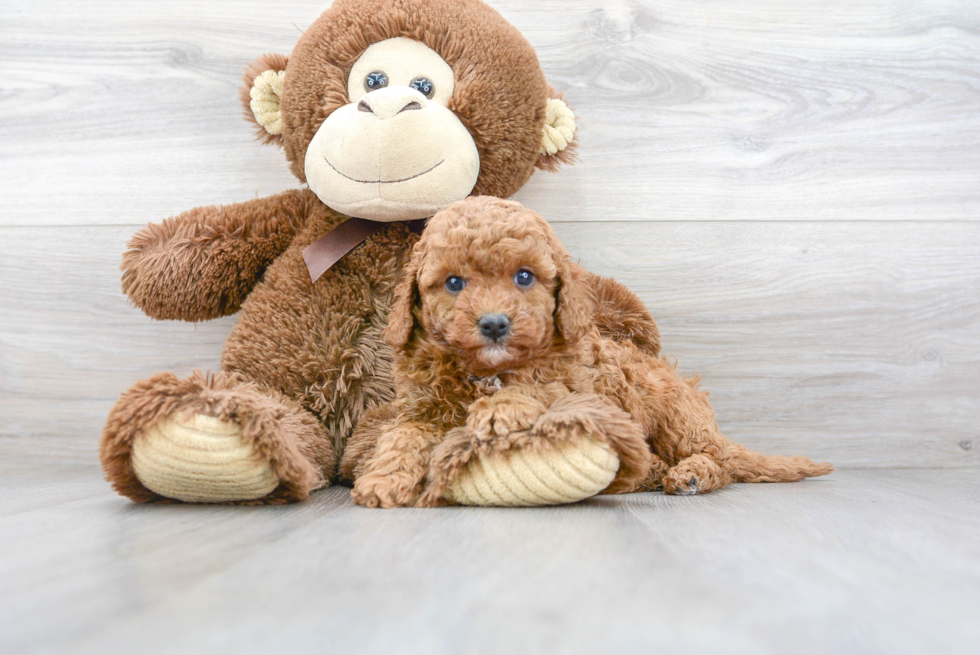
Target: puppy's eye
375 80
524 278
455 284
424 86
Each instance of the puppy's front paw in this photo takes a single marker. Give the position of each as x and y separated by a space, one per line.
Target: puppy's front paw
386 490
489 419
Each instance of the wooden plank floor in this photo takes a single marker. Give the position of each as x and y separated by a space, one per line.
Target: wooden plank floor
862 561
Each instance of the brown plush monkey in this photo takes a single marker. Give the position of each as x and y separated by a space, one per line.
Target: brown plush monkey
388 110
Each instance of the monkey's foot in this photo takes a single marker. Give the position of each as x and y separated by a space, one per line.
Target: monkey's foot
582 446
213 439
201 459
565 473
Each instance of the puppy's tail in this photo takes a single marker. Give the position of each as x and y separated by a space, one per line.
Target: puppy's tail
750 466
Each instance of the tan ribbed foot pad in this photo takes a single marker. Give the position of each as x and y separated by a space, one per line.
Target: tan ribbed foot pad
200 459
570 472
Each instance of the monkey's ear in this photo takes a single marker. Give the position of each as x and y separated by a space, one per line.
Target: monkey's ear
260 94
401 319
558 141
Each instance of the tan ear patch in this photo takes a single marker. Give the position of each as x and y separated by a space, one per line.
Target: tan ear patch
265 94
559 127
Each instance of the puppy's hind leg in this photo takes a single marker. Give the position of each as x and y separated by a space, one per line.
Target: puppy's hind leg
701 473
654 481
697 474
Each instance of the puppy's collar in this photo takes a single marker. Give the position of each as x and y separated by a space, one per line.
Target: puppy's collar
488 384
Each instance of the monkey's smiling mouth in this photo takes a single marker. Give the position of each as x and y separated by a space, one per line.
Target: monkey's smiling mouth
404 179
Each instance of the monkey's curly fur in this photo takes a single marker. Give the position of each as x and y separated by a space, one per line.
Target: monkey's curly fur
557 374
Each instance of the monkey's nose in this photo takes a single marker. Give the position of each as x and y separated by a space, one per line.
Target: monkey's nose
494 326
387 102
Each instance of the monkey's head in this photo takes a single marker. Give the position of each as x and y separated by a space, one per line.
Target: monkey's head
394 109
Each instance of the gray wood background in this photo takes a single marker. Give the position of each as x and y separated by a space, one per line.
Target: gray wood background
792 187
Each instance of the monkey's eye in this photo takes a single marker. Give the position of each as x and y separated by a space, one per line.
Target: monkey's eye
455 284
375 80
524 278
424 86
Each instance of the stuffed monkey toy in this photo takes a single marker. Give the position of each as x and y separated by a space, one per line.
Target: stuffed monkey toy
388 111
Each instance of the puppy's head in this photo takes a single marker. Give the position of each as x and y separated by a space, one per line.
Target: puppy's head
490 281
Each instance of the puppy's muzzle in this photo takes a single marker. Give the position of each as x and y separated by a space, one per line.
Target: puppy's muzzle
494 326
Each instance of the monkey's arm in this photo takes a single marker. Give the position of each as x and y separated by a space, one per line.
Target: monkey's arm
621 315
202 263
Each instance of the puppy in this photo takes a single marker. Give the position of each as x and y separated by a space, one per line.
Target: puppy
496 347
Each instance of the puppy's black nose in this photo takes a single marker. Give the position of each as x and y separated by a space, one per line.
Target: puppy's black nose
494 326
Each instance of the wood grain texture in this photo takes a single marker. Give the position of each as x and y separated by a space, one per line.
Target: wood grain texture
836 340
791 187
126 111
858 562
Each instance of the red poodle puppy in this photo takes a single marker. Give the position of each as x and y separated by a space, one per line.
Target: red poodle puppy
496 345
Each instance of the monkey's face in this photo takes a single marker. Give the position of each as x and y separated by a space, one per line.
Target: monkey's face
394 110
396 151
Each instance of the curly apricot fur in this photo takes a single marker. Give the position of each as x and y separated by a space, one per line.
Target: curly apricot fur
553 351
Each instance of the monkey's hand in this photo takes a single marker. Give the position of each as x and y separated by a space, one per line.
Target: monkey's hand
621 316
203 263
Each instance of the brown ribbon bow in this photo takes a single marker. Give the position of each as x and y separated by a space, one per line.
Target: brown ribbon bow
328 249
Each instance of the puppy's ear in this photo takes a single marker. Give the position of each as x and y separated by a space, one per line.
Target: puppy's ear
574 304
401 319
